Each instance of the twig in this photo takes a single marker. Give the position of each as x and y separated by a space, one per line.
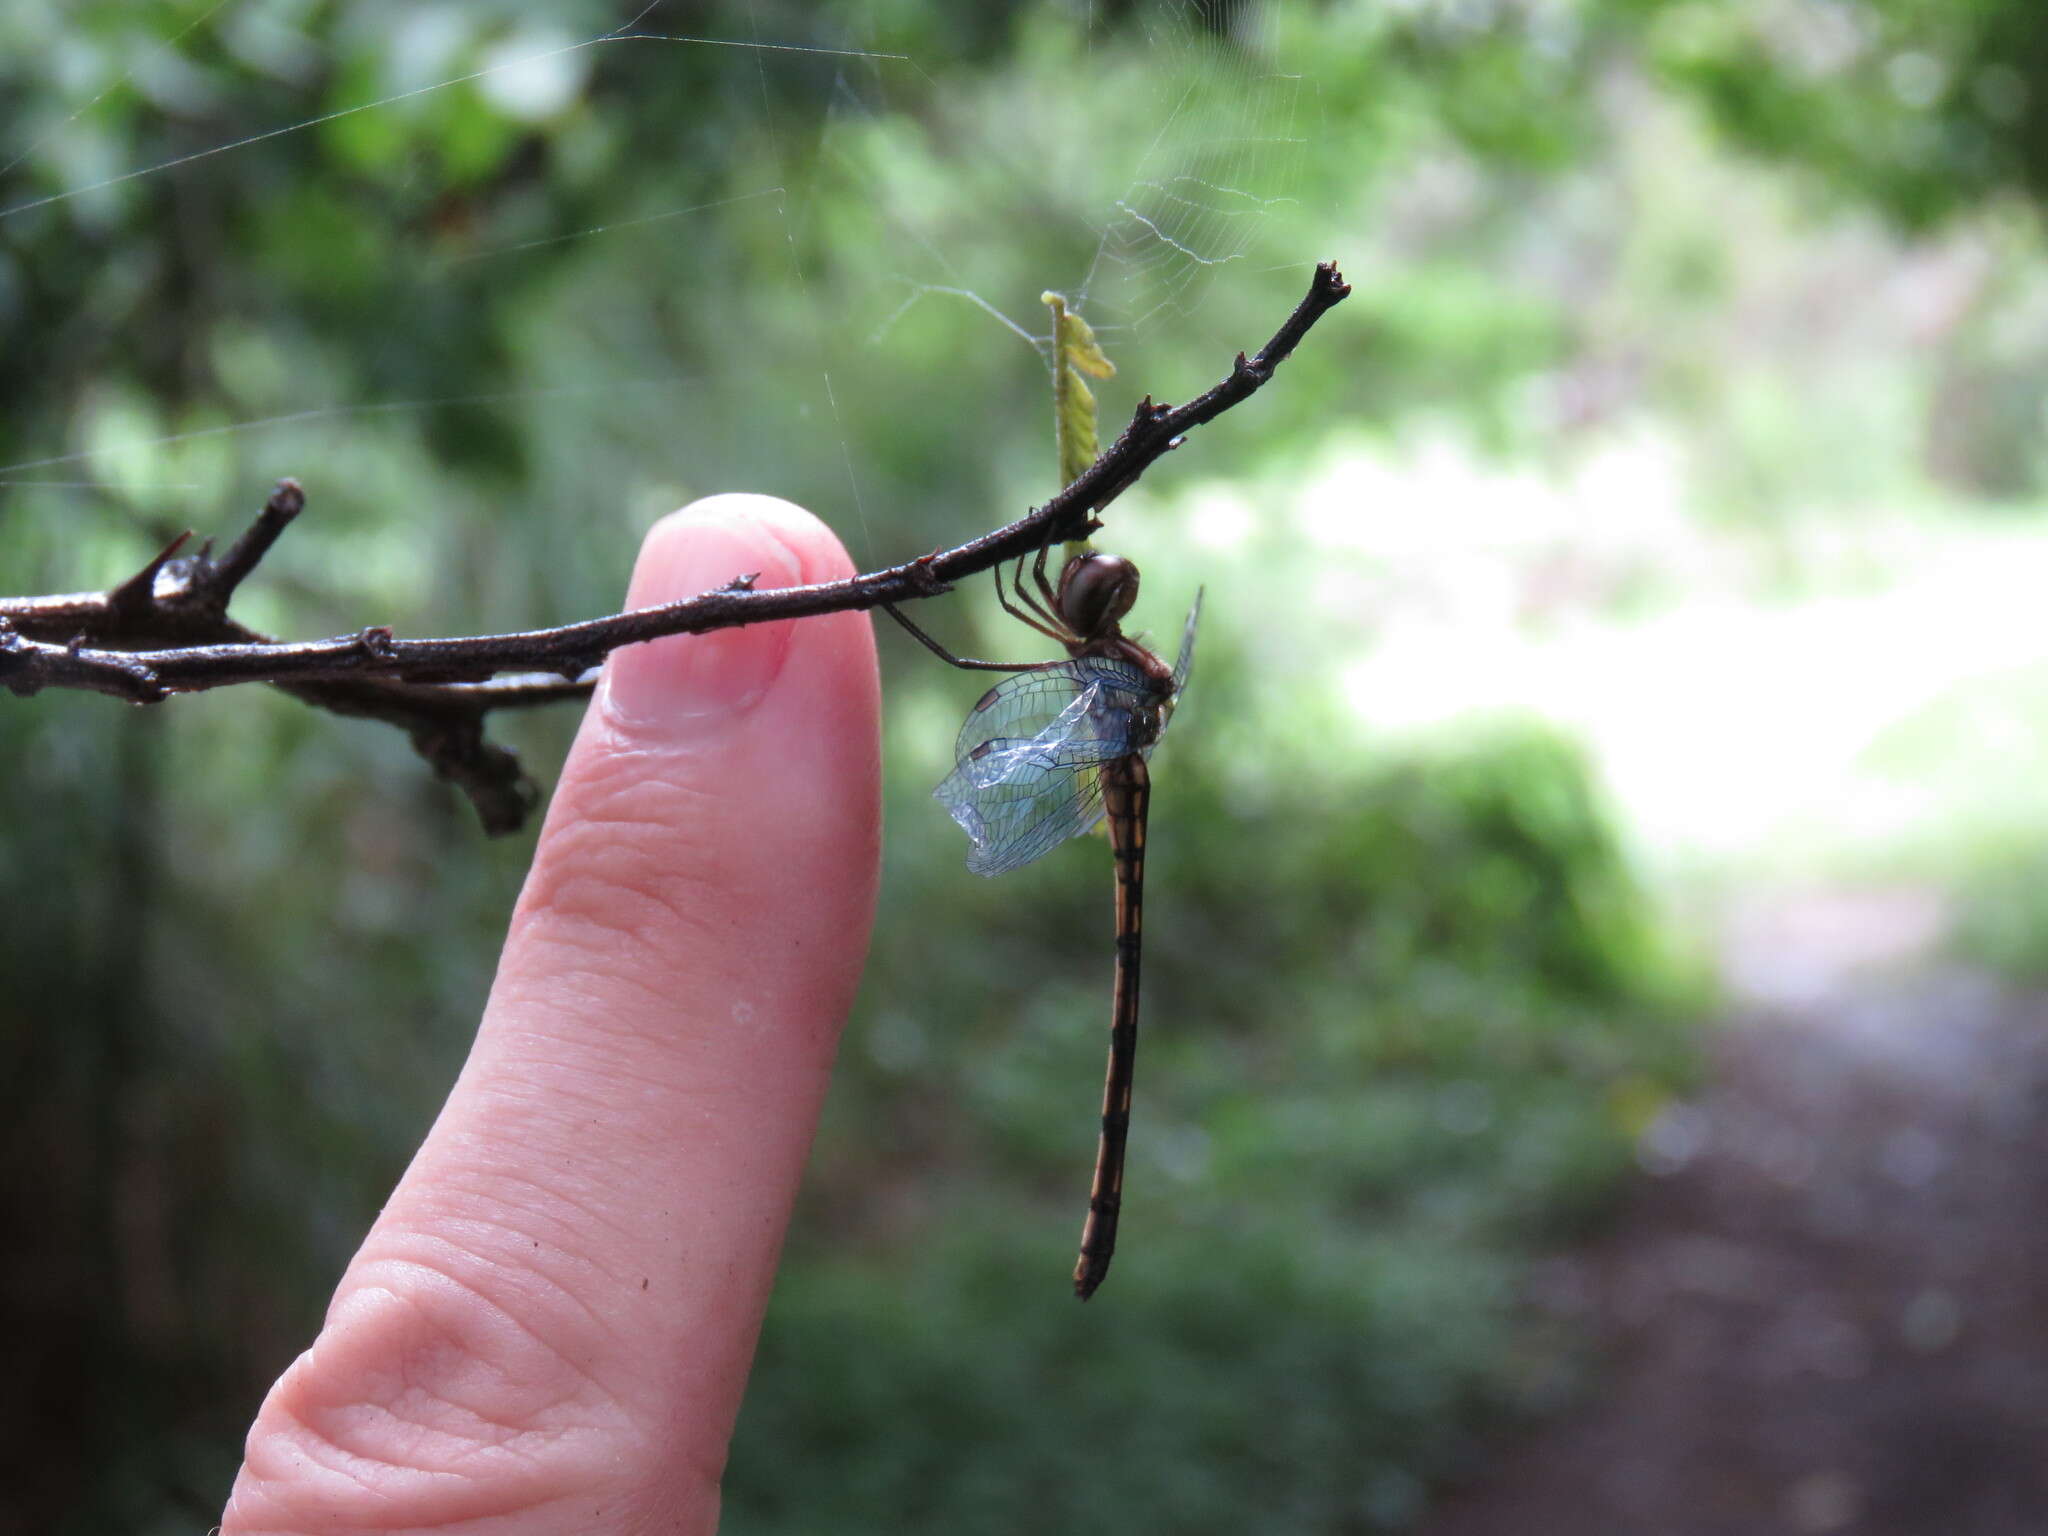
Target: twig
166 630
286 503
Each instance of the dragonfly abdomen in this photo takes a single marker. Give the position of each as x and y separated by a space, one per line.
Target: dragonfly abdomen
1126 798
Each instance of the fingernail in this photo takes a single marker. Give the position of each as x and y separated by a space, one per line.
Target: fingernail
679 685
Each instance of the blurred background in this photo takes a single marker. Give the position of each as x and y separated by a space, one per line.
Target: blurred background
1593 1073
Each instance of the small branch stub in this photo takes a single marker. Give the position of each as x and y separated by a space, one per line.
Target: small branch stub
286 502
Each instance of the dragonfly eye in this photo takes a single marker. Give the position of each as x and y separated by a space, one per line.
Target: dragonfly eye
1096 591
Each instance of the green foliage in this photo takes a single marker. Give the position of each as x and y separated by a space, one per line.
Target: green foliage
1968 758
1491 860
2003 924
1925 108
1272 1384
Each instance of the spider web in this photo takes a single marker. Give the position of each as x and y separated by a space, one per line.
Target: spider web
1167 158
1207 183
1153 157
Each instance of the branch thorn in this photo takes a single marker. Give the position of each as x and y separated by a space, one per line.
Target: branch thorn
138 593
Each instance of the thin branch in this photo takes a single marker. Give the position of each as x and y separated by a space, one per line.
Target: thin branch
166 630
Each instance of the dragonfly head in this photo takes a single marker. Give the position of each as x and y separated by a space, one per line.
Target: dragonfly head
1096 591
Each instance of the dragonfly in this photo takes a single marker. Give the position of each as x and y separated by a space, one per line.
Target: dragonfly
1048 753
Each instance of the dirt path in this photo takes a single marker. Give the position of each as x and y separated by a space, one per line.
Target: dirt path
1827 1309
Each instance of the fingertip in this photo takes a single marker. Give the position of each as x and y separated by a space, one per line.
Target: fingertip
665 572
682 685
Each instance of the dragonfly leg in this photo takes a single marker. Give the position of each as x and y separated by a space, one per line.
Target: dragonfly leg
965 663
1038 577
1048 610
1045 623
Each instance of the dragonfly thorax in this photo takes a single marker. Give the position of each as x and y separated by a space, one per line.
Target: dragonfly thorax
1145 723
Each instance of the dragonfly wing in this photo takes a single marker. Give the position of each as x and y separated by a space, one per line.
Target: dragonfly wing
1026 776
1042 704
1012 823
1063 741
1186 663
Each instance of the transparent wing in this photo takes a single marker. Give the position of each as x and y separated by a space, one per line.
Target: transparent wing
1186 663
1011 824
1027 771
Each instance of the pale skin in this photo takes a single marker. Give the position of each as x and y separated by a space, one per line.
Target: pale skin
550 1325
